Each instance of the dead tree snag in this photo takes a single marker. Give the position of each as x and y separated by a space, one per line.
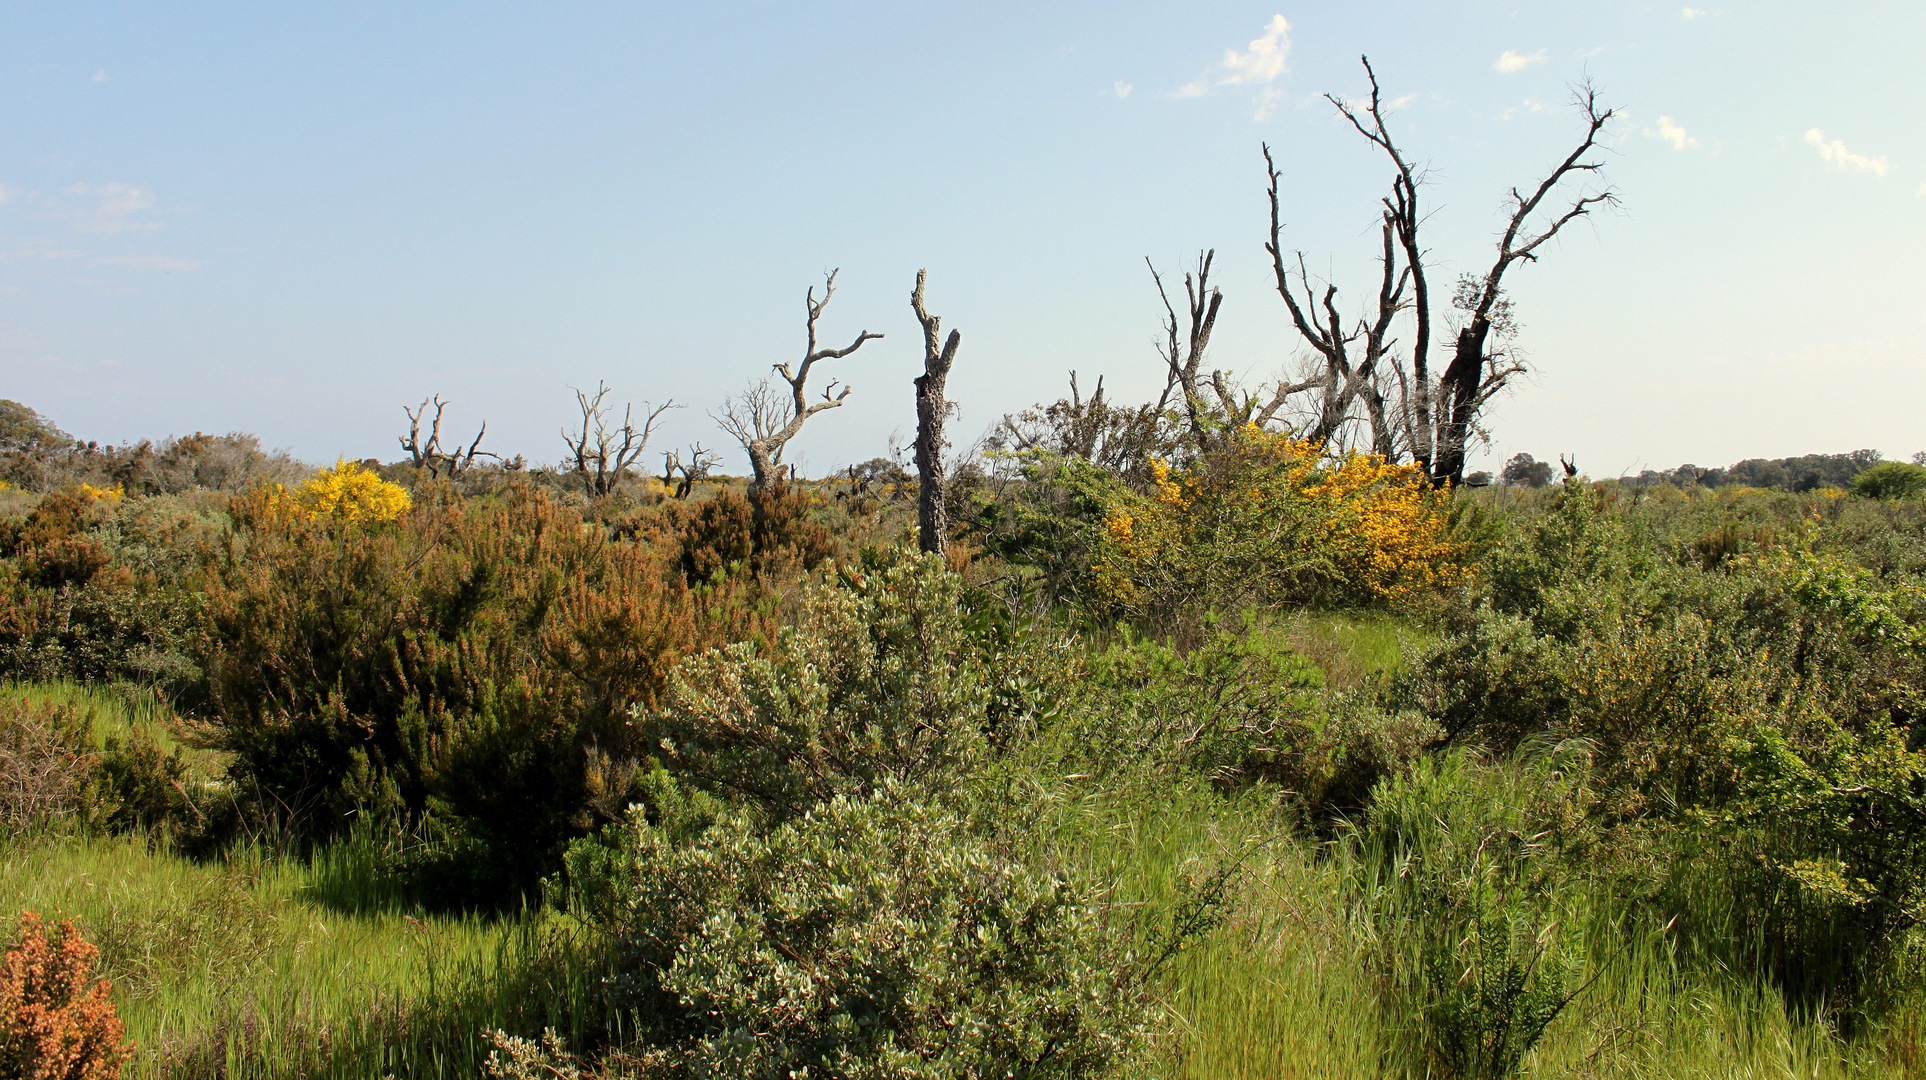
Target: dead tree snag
763 420
932 409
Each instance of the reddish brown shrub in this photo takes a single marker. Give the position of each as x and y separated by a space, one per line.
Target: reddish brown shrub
468 668
56 1022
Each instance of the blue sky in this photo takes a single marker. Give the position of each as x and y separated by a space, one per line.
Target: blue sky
294 219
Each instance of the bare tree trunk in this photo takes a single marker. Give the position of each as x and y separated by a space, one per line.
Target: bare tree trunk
932 408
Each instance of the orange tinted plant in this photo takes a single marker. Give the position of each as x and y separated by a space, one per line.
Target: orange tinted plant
56 1021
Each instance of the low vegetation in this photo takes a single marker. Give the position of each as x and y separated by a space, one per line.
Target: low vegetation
1178 758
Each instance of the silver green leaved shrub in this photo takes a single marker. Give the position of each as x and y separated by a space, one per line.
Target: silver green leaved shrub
879 681
869 938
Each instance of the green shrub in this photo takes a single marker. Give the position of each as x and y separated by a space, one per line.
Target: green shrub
768 534
871 939
880 681
74 604
1891 480
1242 708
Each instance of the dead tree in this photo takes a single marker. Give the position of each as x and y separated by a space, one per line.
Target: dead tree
427 453
1476 372
1184 356
932 409
1183 360
1346 377
1410 411
693 471
763 419
600 456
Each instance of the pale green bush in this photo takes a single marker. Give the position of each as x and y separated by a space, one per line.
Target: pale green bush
879 681
874 939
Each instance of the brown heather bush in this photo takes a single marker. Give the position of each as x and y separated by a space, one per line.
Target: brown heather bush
767 534
56 1021
467 670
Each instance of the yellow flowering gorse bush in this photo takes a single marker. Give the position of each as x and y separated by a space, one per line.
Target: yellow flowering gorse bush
348 492
1271 518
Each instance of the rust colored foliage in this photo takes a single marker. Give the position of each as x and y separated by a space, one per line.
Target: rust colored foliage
767 535
464 663
56 1021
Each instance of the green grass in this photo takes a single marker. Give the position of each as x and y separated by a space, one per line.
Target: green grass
231 968
263 965
112 711
1286 986
1352 648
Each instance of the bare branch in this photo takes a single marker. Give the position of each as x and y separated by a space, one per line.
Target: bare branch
762 424
1185 358
600 456
428 454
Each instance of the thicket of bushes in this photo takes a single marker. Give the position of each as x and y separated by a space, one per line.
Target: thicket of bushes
788 782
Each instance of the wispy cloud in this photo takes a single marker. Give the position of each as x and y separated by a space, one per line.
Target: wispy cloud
1512 61
1921 193
116 210
1692 12
1835 152
147 262
1672 133
1266 58
1122 89
7 194
1526 108
1399 103
100 75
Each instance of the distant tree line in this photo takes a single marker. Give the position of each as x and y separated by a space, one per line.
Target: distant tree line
1809 472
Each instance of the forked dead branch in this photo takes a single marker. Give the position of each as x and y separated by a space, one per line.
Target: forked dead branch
764 419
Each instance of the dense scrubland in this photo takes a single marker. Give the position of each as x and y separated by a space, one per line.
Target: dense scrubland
1233 757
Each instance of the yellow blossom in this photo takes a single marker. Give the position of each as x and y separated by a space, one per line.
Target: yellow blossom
349 492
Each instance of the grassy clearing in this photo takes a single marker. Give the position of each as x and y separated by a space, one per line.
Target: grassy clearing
266 965
1352 649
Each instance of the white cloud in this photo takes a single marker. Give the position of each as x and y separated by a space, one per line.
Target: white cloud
1692 12
1921 193
1122 89
1399 103
1265 59
1835 152
116 209
1516 61
100 75
1672 133
1526 109
147 262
